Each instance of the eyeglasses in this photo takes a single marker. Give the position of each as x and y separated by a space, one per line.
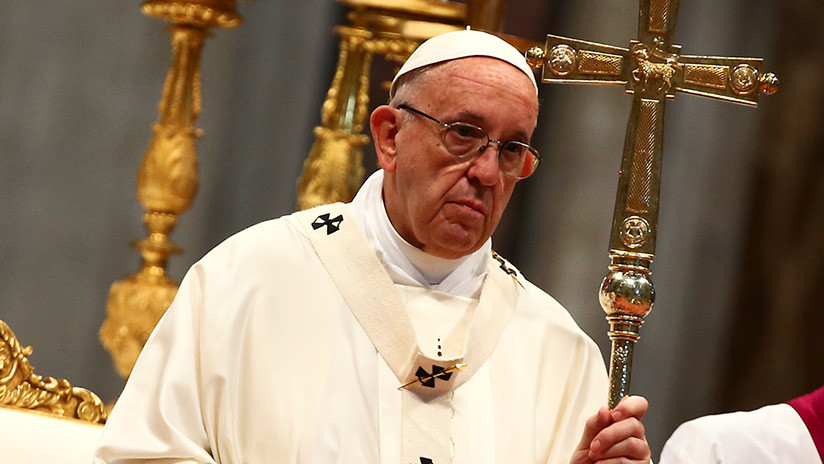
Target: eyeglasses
466 141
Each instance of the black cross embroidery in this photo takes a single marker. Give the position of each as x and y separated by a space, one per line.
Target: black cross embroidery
332 225
504 267
426 460
428 380
512 272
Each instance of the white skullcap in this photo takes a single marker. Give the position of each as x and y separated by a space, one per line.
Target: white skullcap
462 44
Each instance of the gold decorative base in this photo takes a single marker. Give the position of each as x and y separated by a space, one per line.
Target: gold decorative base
334 170
134 307
21 388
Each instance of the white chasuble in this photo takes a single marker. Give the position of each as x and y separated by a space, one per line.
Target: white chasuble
288 343
427 383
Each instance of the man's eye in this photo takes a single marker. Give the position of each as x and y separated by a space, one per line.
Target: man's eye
514 148
464 131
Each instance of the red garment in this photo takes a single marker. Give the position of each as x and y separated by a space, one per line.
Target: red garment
811 409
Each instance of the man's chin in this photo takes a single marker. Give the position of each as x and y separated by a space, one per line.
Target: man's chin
454 246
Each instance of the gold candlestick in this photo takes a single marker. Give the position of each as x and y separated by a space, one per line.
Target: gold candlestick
167 179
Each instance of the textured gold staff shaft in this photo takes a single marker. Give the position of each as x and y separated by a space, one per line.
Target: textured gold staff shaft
627 293
652 69
167 179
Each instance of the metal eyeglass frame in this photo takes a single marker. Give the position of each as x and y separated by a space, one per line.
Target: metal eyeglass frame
536 160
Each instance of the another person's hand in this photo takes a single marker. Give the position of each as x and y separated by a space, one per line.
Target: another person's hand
617 436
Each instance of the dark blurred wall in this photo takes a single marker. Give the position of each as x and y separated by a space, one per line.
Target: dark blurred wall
777 351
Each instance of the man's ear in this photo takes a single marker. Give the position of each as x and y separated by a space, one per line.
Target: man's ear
384 125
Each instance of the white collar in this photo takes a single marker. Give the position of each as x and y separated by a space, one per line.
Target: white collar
407 264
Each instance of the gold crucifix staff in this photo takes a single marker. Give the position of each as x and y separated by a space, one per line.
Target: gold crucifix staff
652 70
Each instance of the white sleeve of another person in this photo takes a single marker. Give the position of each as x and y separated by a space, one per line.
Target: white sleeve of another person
770 435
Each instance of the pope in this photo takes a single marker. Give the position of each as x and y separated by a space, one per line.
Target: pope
385 330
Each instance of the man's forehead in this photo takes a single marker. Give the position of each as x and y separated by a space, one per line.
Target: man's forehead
472 77
483 68
457 91
462 44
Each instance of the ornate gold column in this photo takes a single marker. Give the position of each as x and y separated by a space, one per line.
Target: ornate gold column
334 169
167 179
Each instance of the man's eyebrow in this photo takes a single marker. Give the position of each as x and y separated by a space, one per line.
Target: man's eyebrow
470 116
478 120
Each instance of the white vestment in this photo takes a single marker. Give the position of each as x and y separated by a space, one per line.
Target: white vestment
262 359
773 434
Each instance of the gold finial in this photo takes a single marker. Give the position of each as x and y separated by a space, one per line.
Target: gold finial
768 83
535 57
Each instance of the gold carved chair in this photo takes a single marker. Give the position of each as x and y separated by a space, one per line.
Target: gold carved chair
42 419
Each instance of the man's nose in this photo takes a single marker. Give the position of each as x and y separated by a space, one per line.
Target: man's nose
485 167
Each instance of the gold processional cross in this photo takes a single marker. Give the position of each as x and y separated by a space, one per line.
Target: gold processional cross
652 70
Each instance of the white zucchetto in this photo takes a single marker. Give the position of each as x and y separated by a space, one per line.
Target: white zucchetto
463 44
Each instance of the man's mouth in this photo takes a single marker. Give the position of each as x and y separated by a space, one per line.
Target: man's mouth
471 205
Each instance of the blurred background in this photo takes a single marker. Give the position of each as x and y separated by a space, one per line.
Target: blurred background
740 255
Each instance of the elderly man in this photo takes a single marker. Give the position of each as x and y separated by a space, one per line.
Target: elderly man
386 330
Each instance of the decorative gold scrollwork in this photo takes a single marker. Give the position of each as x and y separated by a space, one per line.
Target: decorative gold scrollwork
707 75
395 49
334 169
599 63
20 387
658 16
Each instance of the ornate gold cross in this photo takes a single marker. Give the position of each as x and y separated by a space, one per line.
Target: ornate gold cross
652 69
